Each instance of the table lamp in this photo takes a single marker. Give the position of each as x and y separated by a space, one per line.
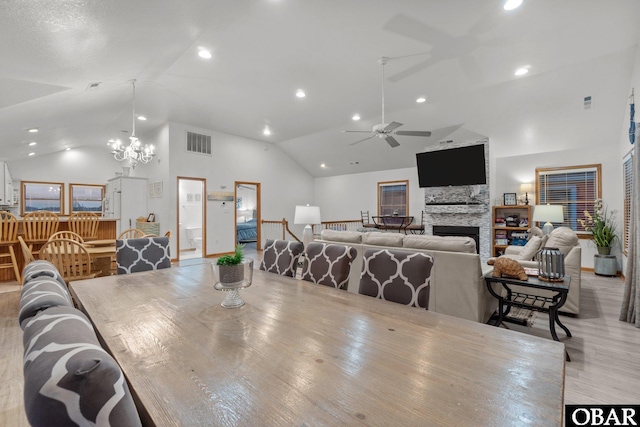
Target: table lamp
307 215
548 214
526 188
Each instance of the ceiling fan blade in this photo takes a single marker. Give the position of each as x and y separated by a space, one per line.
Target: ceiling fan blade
391 126
362 140
413 133
392 141
357 131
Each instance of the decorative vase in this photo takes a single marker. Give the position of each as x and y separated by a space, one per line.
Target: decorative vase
604 250
231 274
232 278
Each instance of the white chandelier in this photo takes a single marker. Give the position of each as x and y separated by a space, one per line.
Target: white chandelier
134 152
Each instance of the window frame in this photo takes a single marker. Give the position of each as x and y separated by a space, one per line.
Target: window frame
580 206
24 190
80 185
382 184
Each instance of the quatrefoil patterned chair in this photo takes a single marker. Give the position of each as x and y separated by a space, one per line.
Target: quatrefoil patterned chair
328 265
281 257
399 276
142 254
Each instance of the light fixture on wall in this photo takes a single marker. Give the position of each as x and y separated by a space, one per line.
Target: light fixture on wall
307 215
134 152
548 214
526 188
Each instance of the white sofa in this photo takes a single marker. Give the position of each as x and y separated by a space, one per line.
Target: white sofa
567 241
457 278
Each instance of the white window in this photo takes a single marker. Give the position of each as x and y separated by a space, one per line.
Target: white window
393 198
575 188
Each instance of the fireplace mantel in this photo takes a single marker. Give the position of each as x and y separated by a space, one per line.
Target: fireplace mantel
455 209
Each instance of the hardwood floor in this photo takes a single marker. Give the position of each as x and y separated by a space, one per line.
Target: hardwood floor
604 367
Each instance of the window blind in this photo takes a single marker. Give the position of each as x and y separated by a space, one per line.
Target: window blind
627 171
393 198
575 188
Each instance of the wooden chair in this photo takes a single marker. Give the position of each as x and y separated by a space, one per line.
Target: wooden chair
8 239
168 234
131 233
67 235
328 264
281 257
39 226
85 224
399 276
27 255
366 221
417 228
70 258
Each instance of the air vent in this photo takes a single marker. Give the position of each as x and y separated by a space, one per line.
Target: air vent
197 143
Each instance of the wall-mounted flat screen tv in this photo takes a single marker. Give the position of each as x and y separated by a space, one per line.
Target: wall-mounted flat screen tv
454 166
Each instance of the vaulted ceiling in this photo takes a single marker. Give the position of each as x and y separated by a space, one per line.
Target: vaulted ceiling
263 51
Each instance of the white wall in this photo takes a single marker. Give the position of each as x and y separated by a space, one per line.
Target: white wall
343 197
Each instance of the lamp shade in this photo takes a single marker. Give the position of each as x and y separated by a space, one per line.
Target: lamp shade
307 215
526 187
548 213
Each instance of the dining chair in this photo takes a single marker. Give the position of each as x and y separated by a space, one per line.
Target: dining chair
131 233
85 224
395 275
366 221
328 264
281 257
69 379
39 226
417 228
8 240
42 291
142 254
70 258
168 234
67 235
27 255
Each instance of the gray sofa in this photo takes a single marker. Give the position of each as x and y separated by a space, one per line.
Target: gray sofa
457 279
567 241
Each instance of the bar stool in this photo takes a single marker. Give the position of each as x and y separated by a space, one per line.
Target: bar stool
39 226
85 224
8 239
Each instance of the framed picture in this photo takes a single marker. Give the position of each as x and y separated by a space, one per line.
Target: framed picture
151 217
509 199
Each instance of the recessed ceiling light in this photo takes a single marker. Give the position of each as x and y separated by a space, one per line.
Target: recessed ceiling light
355 117
322 165
31 144
266 131
142 118
32 154
67 148
512 4
204 54
521 71
32 130
300 93
421 100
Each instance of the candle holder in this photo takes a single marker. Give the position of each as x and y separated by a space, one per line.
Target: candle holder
550 265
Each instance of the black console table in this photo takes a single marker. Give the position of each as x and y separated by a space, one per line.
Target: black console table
522 299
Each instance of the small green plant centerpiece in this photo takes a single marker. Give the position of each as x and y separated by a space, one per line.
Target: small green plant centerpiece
231 268
601 225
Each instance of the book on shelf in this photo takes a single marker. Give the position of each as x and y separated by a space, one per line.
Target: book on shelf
502 242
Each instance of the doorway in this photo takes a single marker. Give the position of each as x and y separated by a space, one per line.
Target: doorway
248 216
192 229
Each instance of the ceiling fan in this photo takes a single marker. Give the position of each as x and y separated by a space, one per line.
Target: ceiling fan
387 130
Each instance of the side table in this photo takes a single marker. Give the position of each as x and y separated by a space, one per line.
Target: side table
539 303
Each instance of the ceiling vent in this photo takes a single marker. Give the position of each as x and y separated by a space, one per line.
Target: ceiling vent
197 143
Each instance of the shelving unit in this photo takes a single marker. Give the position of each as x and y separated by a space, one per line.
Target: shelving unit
503 232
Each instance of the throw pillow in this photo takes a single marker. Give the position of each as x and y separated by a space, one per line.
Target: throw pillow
535 231
531 248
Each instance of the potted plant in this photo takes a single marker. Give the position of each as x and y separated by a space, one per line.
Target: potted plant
230 267
601 226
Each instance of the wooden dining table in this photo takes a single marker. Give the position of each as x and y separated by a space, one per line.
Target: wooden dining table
302 354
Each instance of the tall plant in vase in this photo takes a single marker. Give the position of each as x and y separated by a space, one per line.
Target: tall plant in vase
601 225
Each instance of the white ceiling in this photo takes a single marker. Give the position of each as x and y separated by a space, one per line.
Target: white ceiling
264 50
